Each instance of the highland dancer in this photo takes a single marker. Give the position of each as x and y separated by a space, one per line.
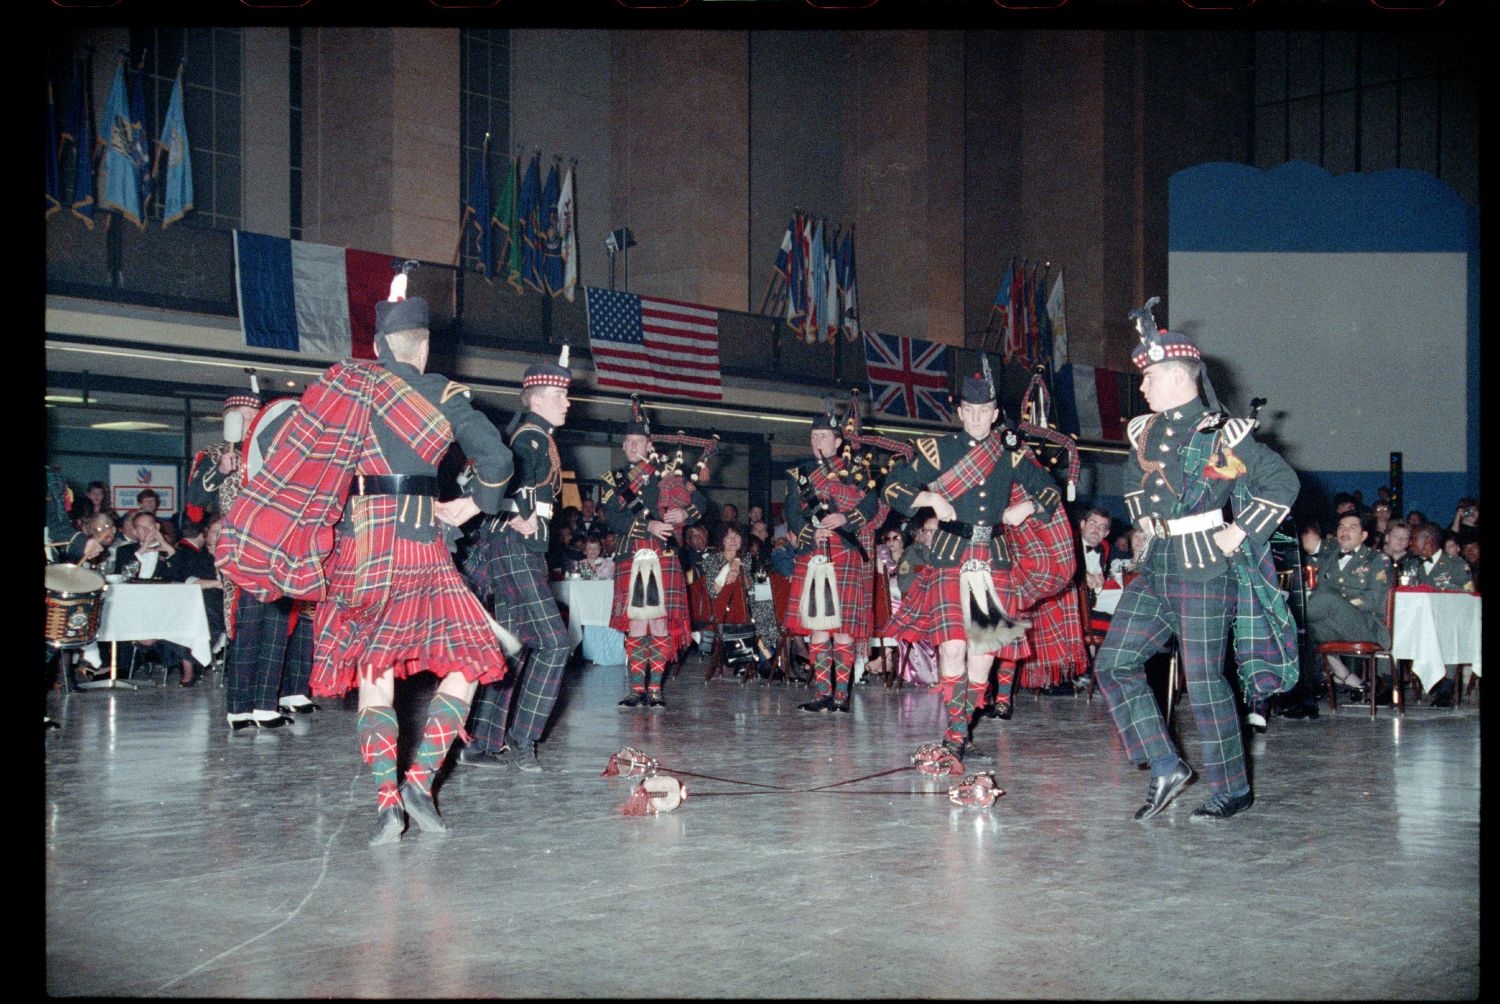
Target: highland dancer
967 598
1198 575
346 508
645 504
508 565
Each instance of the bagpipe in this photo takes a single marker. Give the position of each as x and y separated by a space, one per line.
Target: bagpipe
819 508
633 481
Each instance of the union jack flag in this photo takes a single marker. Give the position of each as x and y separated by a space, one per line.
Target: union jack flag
908 376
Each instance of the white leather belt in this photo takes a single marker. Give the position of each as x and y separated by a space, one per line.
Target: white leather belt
1159 527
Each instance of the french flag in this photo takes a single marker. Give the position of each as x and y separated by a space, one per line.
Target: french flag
311 298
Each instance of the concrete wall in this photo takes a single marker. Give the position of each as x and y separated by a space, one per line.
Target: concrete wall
265 164
679 122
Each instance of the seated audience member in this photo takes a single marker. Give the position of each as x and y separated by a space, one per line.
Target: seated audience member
730 576
1397 539
1380 516
563 553
95 499
755 514
888 552
589 523
1450 544
140 555
100 527
1348 603
728 513
1344 502
1437 570
1415 518
189 561
1122 568
596 563
783 558
1471 556
695 544
1466 521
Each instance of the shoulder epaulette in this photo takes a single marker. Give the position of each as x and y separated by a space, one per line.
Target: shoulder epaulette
1236 429
453 389
927 446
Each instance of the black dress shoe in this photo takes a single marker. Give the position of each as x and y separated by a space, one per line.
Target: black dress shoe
241 724
655 701
968 751
289 710
1163 789
821 704
420 809
388 826
635 699
50 723
1002 708
472 757
1222 806
526 759
1257 721
841 706
271 723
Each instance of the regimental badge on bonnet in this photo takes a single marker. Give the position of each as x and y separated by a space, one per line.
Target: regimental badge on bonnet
1158 344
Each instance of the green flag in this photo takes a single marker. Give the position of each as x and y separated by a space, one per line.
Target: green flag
508 243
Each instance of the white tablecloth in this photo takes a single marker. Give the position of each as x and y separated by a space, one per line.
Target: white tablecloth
1435 630
169 610
588 602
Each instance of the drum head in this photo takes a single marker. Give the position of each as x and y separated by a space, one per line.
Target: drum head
72 579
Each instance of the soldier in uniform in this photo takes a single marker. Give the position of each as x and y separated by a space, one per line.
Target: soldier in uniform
829 597
645 504
1348 602
1197 575
964 599
508 566
346 507
1427 565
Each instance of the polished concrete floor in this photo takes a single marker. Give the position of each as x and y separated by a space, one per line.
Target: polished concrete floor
182 860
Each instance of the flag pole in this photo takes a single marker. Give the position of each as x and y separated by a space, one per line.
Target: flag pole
463 227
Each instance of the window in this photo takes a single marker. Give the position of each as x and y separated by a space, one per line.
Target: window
1367 101
211 84
484 106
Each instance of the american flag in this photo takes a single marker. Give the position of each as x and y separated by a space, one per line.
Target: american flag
908 376
654 346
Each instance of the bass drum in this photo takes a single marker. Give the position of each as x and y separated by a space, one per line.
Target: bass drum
74 601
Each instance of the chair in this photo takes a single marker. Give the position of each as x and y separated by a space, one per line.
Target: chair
1368 654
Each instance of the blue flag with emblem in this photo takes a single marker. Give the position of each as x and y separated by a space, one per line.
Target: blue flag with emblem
531 251
477 210
177 192
78 131
119 182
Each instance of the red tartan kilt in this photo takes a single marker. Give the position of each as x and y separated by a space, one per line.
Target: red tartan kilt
855 585
931 612
679 621
1056 636
428 621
